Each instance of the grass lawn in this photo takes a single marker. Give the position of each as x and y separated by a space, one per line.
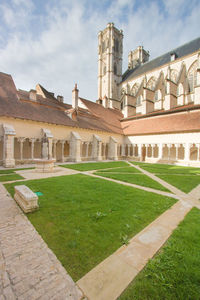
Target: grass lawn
121 170
12 171
140 179
95 165
85 219
174 273
10 177
167 169
183 182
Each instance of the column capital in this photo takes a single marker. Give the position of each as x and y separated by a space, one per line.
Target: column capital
21 139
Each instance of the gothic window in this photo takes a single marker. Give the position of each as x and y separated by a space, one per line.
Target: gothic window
115 69
134 89
104 70
192 76
116 45
174 75
103 46
157 95
139 100
151 83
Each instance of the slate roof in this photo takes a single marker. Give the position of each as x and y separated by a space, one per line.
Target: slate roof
163 59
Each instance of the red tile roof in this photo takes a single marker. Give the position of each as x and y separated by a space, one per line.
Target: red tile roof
177 122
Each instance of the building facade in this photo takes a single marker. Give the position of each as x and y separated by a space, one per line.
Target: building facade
150 113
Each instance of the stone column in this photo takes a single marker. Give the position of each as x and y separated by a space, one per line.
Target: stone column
96 147
129 150
112 149
75 147
21 141
140 151
187 152
176 146
198 148
50 147
32 147
54 148
87 149
169 146
123 150
104 151
62 150
8 146
160 151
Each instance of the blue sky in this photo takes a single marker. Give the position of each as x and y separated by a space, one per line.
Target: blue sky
54 42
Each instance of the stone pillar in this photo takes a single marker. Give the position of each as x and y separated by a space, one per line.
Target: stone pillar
62 150
54 148
112 149
187 152
8 146
160 151
123 150
32 147
176 146
21 141
104 151
75 147
96 147
198 148
140 151
87 149
169 146
129 150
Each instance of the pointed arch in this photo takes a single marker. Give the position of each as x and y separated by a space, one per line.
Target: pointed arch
134 89
151 83
192 75
174 75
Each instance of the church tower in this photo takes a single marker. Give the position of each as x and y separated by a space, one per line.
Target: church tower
110 66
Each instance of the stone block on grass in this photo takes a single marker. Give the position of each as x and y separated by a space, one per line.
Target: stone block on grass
27 200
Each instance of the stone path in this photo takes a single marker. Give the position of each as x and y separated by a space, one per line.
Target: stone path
28 268
111 277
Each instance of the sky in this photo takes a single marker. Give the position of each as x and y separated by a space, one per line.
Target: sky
54 42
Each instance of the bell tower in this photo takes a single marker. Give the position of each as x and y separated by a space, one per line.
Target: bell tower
110 50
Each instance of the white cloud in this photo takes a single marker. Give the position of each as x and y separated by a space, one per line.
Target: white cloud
59 47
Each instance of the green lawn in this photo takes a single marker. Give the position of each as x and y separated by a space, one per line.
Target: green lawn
85 219
167 169
139 179
95 165
10 177
174 273
12 171
183 182
121 170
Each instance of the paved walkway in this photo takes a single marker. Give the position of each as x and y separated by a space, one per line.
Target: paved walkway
28 268
111 277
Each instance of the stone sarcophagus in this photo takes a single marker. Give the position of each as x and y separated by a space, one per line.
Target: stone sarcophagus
27 200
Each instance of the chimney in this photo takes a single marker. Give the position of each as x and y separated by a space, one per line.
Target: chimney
60 98
75 97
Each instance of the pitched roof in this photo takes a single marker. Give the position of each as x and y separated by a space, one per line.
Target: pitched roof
163 59
17 104
171 123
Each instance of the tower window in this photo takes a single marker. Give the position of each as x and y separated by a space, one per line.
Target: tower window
115 69
116 45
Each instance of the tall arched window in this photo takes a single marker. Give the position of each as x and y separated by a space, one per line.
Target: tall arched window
115 69
180 89
139 100
192 76
157 95
116 45
104 70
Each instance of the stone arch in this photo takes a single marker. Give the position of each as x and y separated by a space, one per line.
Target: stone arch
134 89
151 83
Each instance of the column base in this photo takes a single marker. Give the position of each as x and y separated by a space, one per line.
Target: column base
9 163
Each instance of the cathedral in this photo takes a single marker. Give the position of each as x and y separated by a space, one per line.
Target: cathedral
151 112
